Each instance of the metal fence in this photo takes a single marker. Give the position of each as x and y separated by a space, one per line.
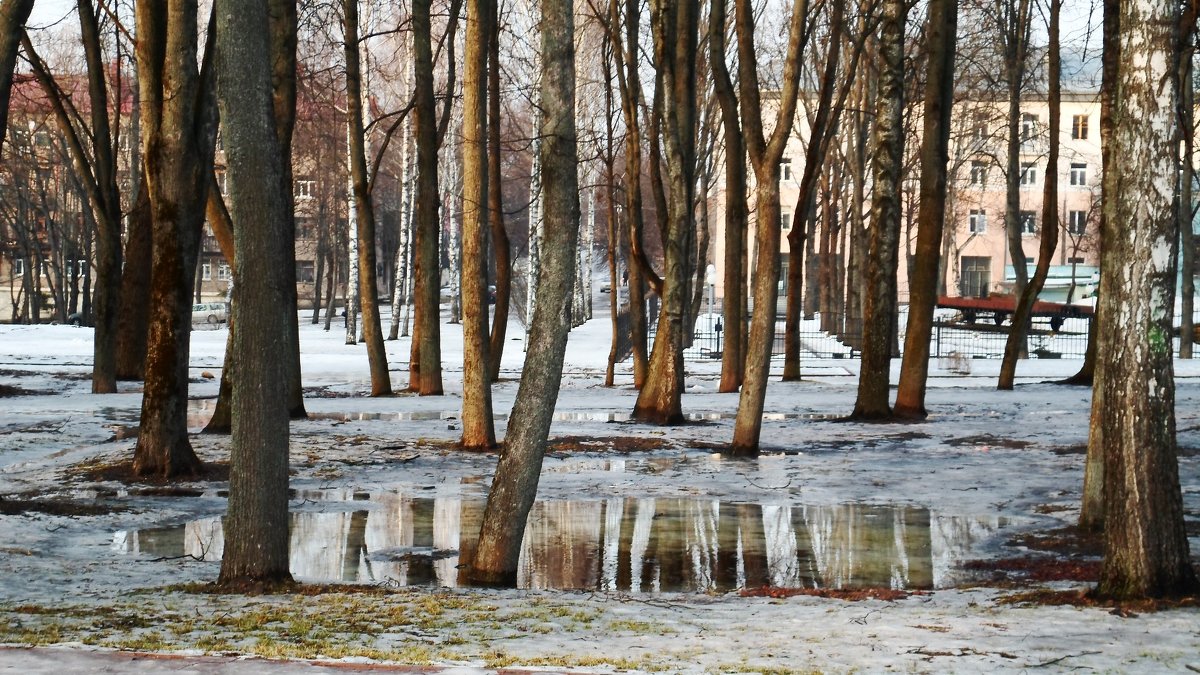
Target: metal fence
950 339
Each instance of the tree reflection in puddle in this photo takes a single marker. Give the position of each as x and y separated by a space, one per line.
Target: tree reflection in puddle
625 545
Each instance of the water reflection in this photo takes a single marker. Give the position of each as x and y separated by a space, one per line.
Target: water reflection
635 545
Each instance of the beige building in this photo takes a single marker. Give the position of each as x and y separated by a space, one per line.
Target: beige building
975 252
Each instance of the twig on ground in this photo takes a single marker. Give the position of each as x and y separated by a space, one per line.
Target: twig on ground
1060 659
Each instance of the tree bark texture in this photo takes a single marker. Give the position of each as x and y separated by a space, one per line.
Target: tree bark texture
478 429
134 320
942 31
1015 25
879 302
179 126
514 486
372 328
256 524
1146 547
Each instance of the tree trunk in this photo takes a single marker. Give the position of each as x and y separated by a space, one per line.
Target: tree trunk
765 154
372 328
879 303
1146 547
501 248
515 484
425 370
1091 510
1187 239
1016 343
478 427
134 319
1015 28
675 30
179 121
13 14
733 304
256 525
282 24
942 37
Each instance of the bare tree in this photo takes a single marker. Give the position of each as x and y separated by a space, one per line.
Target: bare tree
879 305
478 431
1019 330
765 155
256 526
1146 547
381 384
179 127
13 14
941 31
675 28
514 486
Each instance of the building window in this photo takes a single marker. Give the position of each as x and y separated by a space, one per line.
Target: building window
783 274
206 272
1079 174
223 183
1077 222
306 228
305 273
977 221
1028 173
223 273
1075 261
306 189
1028 222
1079 127
975 275
785 221
785 169
1029 124
18 267
980 129
978 172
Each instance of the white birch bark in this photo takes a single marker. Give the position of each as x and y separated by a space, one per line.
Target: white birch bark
352 299
533 266
399 289
450 200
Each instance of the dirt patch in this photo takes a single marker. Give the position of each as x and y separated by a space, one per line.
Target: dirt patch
1064 542
18 506
1078 449
1128 609
9 391
122 472
990 440
848 594
1037 569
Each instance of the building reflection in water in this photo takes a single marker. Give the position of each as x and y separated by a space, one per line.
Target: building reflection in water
630 544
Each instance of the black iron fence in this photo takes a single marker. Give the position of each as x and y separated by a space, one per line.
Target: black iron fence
832 337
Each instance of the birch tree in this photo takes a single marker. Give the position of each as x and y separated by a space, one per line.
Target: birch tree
1146 547
879 306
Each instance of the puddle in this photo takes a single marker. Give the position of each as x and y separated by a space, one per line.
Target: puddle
200 410
624 545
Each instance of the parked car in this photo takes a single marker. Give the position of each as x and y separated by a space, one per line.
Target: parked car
211 313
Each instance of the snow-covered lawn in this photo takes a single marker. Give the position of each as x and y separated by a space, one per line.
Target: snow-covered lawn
383 499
